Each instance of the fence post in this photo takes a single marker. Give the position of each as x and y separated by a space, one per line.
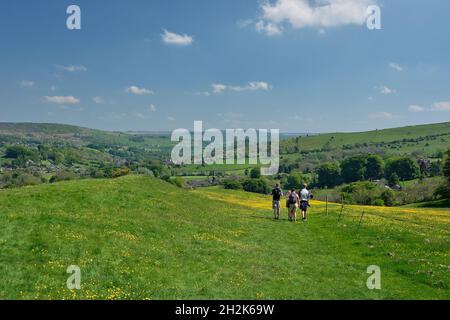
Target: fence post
360 222
342 208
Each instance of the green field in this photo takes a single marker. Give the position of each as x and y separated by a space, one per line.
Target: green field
138 237
435 135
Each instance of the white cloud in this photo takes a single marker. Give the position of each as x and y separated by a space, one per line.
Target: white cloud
98 100
61 99
27 84
218 88
53 88
441 106
315 14
152 108
381 115
72 68
171 118
416 108
139 91
269 28
177 39
396 66
386 90
251 86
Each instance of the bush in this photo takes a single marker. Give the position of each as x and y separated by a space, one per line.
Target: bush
63 175
145 171
158 169
232 184
18 179
26 179
363 193
389 198
255 173
256 186
393 180
378 203
121 172
443 191
177 181
97 173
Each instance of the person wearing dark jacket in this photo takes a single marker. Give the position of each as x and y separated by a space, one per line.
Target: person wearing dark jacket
276 201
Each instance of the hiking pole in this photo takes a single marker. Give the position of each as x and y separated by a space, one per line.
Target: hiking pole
360 222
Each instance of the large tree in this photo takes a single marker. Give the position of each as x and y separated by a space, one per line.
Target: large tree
444 190
354 169
405 168
446 168
328 175
19 151
374 168
297 180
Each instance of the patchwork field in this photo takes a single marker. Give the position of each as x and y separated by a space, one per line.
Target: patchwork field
138 237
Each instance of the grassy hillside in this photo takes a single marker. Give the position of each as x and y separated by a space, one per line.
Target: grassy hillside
51 133
429 137
137 237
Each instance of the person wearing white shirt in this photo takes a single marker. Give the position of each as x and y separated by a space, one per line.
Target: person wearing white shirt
305 195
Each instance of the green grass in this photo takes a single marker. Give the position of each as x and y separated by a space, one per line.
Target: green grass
138 237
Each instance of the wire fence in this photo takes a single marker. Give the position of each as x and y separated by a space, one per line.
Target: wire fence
342 212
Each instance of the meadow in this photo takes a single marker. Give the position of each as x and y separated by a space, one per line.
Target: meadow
138 237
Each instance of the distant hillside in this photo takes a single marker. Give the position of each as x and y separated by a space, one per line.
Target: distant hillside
74 135
49 132
427 138
409 138
43 128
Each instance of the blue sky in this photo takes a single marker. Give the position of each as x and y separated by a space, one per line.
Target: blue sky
232 64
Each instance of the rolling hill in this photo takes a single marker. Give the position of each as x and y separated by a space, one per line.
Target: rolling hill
74 135
139 237
428 137
435 135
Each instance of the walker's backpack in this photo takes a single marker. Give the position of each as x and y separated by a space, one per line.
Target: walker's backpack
292 199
